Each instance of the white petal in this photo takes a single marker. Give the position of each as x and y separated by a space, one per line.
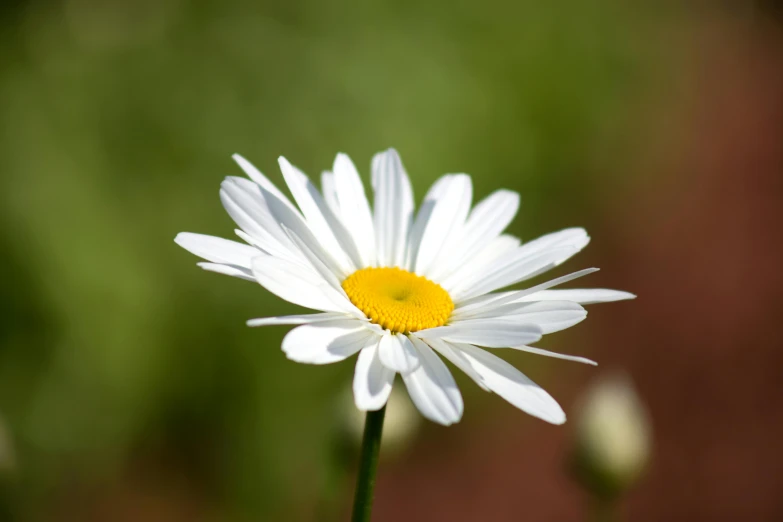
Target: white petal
423 216
295 319
432 388
486 222
298 284
516 266
244 202
476 266
393 207
329 191
290 220
511 268
372 381
354 207
576 237
547 353
513 385
318 259
455 356
247 238
485 332
581 296
242 208
230 270
490 217
216 249
397 353
320 219
550 316
480 304
326 342
448 214
256 175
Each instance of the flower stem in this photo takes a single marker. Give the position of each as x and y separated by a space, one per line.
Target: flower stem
368 465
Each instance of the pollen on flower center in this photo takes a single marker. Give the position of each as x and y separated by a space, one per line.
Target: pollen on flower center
398 300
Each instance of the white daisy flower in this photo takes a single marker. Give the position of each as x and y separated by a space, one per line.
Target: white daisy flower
401 287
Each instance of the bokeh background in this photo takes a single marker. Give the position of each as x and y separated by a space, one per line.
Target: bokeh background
130 388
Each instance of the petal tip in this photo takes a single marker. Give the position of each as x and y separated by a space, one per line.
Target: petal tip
557 421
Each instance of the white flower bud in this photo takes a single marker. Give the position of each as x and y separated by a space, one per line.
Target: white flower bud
613 436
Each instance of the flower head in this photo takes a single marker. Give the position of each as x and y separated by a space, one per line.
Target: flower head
401 288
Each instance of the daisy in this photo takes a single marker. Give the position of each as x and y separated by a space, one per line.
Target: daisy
402 289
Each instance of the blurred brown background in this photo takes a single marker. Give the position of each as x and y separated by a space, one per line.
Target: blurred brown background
130 388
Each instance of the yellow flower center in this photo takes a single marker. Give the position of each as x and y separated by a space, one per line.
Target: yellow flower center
398 300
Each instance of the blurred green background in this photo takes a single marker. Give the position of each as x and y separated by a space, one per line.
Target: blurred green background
130 388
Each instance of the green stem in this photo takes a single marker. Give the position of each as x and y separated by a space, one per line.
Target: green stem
368 465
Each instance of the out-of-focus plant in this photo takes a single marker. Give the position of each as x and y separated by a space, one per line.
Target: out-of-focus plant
613 441
400 426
